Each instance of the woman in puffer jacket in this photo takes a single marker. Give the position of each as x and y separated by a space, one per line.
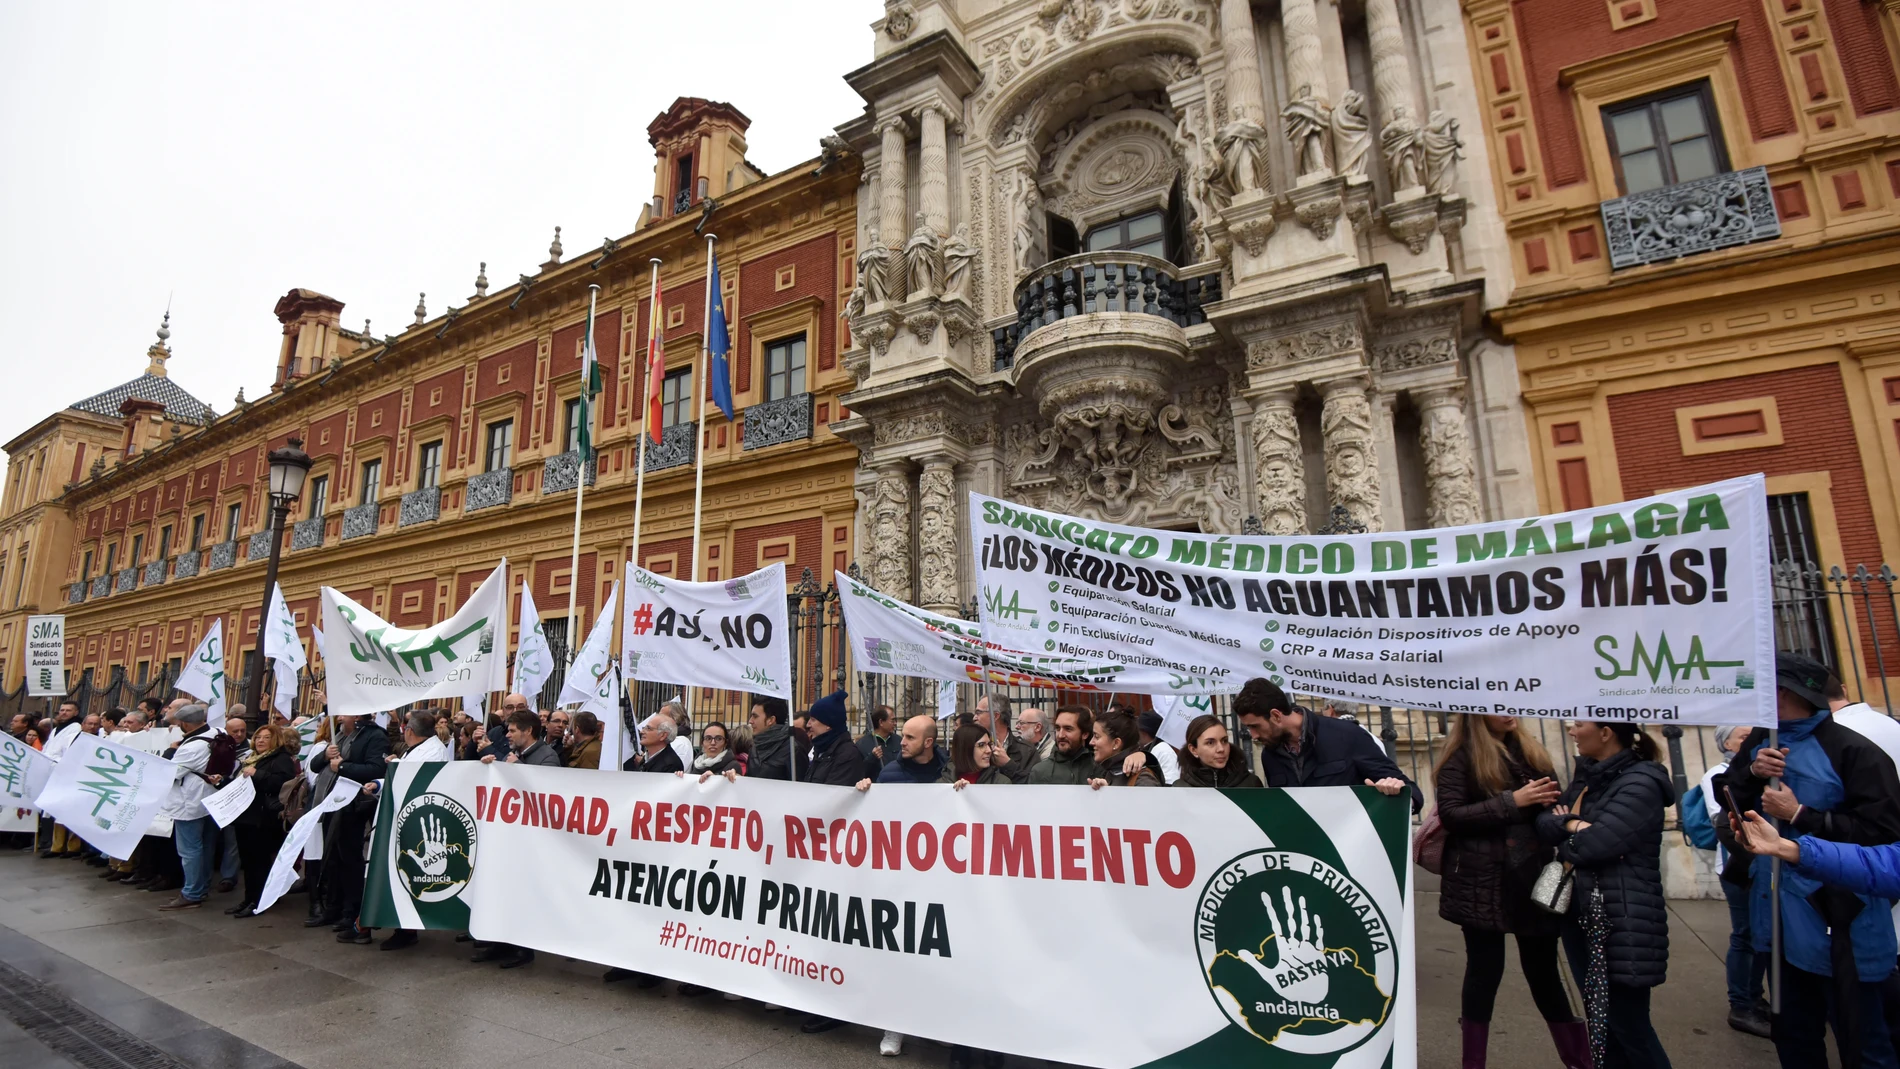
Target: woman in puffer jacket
1608 827
1492 781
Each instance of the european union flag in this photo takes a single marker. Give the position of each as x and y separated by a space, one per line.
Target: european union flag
719 343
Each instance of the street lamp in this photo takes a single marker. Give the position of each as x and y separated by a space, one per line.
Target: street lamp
288 466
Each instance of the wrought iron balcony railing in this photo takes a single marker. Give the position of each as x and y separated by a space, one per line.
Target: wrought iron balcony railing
362 521
787 419
489 489
1097 282
420 506
77 592
187 563
101 585
307 534
223 555
128 579
1718 212
678 445
258 547
154 573
560 472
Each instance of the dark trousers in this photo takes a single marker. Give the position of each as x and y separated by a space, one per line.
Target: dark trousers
1746 966
257 851
343 862
1809 1006
1632 1042
1484 971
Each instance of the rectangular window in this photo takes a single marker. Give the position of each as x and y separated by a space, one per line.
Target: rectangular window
676 397
571 426
372 481
785 368
501 444
19 578
319 495
233 519
1802 623
138 551
682 184
85 567
1665 139
1145 233
164 542
197 530
174 667
429 466
112 558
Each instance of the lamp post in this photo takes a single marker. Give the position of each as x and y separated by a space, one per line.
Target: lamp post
288 466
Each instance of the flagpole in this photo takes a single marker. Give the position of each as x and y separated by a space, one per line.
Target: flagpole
580 477
702 388
640 467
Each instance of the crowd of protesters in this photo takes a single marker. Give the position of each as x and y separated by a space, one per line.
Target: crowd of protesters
1576 866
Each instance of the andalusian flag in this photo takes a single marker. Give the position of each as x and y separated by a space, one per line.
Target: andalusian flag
719 343
590 389
656 364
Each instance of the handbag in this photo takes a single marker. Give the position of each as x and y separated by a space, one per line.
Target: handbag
1428 846
1551 893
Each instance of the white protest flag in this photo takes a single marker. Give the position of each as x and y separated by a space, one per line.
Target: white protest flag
316 635
283 871
730 635
1655 610
107 794
379 667
234 798
284 649
203 677
593 684
1177 712
23 773
534 662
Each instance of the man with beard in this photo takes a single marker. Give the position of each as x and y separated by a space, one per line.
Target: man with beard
1072 761
775 751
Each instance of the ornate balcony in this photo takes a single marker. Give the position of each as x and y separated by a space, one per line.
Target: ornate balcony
1105 282
76 593
223 555
559 472
361 520
258 547
1717 212
307 534
154 573
186 565
420 506
677 446
489 489
787 419
128 579
101 585
682 202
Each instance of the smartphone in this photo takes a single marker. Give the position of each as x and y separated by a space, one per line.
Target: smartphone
1729 793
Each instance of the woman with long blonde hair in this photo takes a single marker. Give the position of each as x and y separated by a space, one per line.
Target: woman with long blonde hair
1492 780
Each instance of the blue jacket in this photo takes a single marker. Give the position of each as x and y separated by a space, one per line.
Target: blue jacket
1864 870
904 770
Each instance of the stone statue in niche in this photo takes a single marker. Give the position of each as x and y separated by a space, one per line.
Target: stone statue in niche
1029 225
1306 122
923 260
1404 146
1244 161
958 255
1442 150
1352 134
873 258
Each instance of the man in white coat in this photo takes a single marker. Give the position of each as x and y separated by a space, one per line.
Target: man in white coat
193 830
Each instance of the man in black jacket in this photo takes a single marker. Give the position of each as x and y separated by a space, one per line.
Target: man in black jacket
880 744
358 754
992 715
1297 750
774 751
656 747
833 758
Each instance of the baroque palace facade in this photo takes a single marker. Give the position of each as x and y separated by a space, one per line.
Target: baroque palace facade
141 513
1703 205
1198 264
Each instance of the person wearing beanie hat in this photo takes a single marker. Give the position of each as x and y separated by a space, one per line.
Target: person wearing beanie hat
833 759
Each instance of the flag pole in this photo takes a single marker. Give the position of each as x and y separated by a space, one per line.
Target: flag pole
701 388
580 475
640 467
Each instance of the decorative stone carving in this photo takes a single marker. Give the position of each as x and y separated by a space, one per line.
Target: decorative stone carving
1252 233
891 174
1279 464
923 261
1403 144
1243 145
937 536
1314 343
958 256
1029 227
1186 426
769 423
933 167
923 323
1442 150
1032 455
899 22
361 521
1415 352
223 555
1352 472
1319 214
1444 439
307 534
873 263
889 512
1352 136
1412 222
493 488
1307 123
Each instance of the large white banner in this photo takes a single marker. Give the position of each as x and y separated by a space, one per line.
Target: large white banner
534 661
204 678
1649 610
896 638
1262 927
379 667
283 870
731 635
45 656
107 794
285 650
23 773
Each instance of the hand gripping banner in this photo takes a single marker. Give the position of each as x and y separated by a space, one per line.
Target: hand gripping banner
1652 610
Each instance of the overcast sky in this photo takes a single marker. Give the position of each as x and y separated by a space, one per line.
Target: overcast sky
220 154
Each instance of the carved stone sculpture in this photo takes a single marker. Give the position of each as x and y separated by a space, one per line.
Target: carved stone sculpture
1444 439
1279 465
1243 147
1403 144
958 256
1352 473
1352 134
1442 150
937 536
923 260
873 259
1029 224
890 534
1306 122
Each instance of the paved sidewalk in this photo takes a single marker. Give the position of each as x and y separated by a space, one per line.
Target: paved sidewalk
302 997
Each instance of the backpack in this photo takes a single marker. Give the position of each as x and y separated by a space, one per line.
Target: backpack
294 799
1696 825
224 755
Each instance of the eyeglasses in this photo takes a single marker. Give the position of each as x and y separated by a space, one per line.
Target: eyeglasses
712 738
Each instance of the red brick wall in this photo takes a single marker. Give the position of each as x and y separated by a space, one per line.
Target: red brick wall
1817 433
1863 53
204 482
115 519
422 408
520 364
1555 34
378 418
553 603
808 548
815 265
326 436
144 503
564 365
682 547
422 592
173 499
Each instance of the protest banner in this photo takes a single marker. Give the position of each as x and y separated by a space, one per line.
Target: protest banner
379 667
534 660
204 678
731 635
107 794
283 869
45 656
225 804
23 775
284 649
1266 927
1651 610
892 637
593 682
